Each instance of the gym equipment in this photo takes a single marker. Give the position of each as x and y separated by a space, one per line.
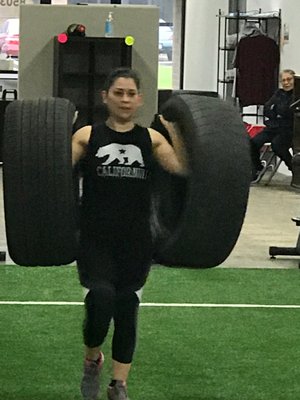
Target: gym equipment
296 171
287 251
40 210
72 30
195 221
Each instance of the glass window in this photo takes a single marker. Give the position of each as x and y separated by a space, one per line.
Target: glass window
165 47
9 38
165 41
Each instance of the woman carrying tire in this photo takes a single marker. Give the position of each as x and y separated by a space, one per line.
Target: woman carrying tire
115 251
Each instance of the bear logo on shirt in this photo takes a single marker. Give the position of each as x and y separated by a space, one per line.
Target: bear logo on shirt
120 154
121 161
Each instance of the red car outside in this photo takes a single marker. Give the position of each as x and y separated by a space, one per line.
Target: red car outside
9 37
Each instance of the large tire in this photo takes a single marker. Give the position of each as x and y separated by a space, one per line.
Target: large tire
40 209
196 92
197 220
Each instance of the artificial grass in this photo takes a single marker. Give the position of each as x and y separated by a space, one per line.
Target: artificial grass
39 283
41 353
182 353
218 354
216 285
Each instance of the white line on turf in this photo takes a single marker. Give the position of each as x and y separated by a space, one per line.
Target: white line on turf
192 305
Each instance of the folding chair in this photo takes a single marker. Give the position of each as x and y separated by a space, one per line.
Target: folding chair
268 158
270 161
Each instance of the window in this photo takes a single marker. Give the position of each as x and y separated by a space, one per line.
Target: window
165 41
9 37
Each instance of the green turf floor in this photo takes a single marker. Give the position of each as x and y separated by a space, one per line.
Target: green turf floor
183 353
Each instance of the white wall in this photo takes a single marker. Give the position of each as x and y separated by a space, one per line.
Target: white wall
200 58
201 40
264 5
290 11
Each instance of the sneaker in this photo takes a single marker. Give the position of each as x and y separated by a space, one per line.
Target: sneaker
117 392
256 177
90 385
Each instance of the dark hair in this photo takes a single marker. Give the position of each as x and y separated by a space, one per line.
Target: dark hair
121 72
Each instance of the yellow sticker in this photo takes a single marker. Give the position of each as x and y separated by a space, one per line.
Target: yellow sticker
129 40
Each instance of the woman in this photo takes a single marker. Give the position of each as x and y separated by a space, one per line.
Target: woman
279 125
115 239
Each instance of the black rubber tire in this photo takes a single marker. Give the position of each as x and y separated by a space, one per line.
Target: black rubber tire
39 203
195 92
197 221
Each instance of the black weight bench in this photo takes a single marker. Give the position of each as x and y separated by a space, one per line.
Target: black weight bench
287 251
2 256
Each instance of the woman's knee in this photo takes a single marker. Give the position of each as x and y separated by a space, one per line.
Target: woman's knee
281 145
103 293
99 305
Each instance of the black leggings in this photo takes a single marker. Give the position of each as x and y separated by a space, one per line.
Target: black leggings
281 140
103 304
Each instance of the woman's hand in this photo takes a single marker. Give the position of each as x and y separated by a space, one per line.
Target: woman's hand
172 156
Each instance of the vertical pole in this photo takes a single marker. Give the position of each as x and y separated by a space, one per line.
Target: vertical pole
181 78
234 6
219 43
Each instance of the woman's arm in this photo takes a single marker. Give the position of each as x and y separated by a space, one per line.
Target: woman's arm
270 111
173 157
80 141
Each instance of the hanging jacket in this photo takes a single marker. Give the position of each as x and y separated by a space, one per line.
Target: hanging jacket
257 63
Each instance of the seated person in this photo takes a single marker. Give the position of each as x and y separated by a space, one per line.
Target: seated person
279 125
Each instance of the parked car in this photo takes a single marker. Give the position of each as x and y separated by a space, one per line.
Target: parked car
9 37
165 39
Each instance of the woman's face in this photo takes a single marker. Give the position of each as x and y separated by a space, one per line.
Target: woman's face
287 81
122 99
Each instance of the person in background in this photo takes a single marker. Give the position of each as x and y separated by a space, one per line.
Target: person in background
278 119
115 252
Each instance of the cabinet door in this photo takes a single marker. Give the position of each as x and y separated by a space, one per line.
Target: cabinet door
108 53
81 66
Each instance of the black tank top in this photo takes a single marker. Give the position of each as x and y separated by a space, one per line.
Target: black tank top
116 180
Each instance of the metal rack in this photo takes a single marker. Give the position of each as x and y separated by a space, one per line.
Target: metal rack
229 26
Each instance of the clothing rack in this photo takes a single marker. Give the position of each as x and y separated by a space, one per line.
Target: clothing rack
229 34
